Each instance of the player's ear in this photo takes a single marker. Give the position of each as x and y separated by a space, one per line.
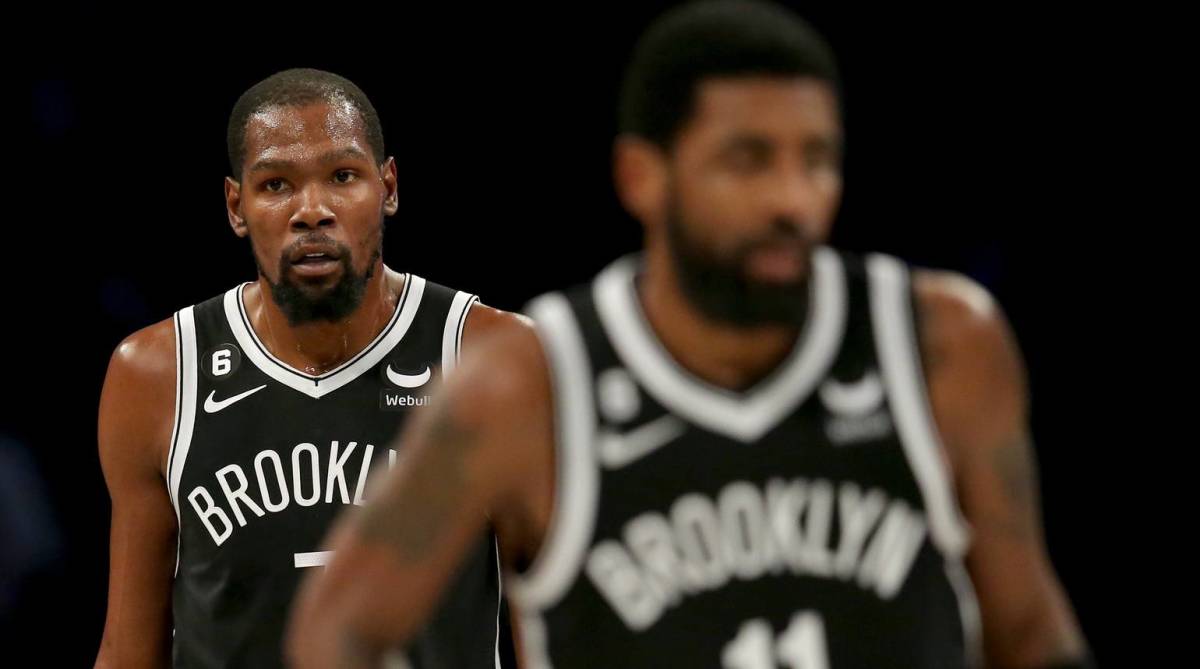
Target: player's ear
387 172
233 207
640 176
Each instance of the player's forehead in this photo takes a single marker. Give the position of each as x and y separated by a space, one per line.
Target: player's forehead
779 107
304 131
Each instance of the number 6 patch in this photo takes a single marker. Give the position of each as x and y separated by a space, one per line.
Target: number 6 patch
221 362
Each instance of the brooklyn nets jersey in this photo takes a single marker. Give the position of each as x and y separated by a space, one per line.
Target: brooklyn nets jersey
807 523
263 458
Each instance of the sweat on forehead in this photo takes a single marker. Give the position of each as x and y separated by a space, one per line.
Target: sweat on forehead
286 123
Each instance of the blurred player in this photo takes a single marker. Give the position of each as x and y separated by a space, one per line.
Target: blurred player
739 449
233 433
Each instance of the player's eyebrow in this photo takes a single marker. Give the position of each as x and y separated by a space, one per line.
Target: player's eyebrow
269 164
339 154
327 157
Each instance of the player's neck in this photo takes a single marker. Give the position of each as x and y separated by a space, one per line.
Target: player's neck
317 347
724 355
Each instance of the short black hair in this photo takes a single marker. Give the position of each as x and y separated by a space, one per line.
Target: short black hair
295 88
703 40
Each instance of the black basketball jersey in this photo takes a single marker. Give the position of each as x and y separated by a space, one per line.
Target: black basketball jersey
808 523
263 458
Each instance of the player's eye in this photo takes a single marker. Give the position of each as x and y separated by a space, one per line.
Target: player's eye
273 185
344 176
747 156
821 156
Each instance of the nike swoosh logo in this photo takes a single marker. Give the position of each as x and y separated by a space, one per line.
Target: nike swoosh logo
406 380
855 399
213 406
618 450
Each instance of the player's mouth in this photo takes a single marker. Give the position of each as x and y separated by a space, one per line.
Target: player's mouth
777 263
315 260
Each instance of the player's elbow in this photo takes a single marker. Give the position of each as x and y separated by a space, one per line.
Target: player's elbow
1044 633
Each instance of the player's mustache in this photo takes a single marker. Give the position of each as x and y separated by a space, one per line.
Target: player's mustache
783 231
325 243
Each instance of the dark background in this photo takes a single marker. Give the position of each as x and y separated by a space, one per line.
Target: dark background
978 140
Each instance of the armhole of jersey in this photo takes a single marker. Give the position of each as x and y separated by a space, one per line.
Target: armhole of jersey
577 478
456 322
968 611
900 359
499 599
185 411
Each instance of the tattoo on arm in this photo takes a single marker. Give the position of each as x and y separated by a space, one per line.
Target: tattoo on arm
1013 465
415 519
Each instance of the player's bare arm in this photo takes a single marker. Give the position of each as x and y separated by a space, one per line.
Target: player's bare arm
481 454
978 393
136 411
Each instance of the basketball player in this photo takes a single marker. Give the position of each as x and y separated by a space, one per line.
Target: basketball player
231 434
740 449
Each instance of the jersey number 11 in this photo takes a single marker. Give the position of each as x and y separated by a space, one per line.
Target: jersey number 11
800 646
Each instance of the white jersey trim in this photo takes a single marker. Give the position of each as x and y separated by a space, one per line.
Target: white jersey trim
452 333
186 369
968 611
534 649
577 478
742 416
499 598
321 385
900 358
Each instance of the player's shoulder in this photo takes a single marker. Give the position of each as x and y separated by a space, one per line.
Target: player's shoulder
974 367
956 313
485 321
147 354
138 402
481 320
502 359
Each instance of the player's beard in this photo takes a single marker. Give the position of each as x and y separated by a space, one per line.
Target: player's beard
301 304
716 284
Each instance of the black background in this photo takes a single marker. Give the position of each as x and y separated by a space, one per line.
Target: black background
977 140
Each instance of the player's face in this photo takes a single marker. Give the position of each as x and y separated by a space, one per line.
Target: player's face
755 181
313 198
